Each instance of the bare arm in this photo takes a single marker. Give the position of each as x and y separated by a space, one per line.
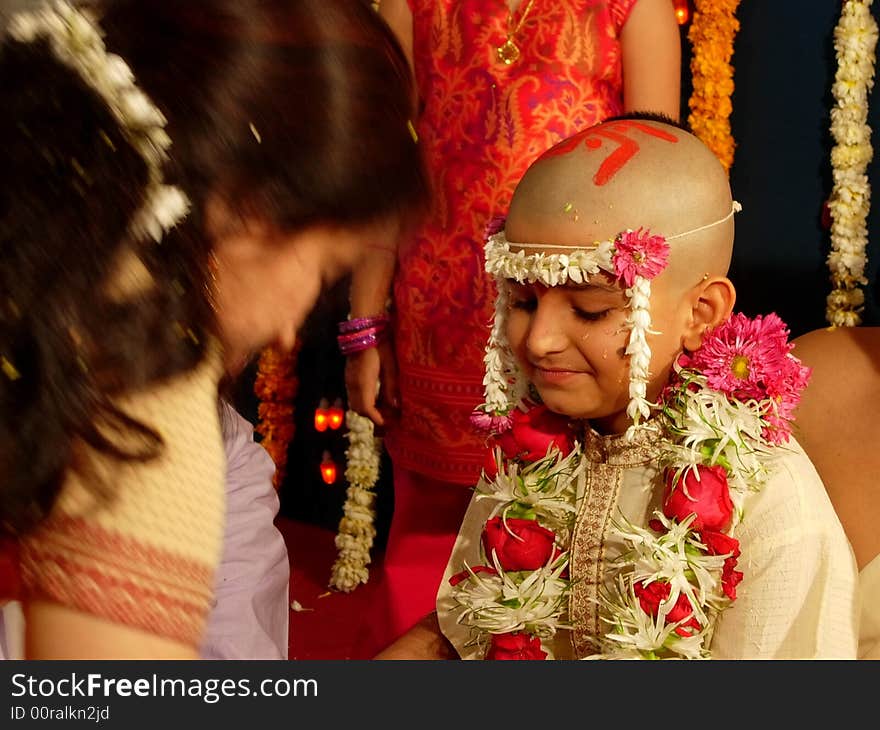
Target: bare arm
371 284
54 631
399 17
422 641
368 295
651 49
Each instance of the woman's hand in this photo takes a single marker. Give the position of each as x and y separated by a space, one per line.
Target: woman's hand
423 641
371 383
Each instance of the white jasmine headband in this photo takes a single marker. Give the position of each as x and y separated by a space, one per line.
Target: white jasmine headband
633 258
75 39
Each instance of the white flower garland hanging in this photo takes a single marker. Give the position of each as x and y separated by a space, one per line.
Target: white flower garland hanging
855 41
356 529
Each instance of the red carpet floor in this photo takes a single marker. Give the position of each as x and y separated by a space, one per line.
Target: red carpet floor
325 625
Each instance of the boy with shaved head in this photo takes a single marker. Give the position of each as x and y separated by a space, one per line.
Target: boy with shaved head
642 495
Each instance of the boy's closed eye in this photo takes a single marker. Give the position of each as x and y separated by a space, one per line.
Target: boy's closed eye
588 303
529 305
591 316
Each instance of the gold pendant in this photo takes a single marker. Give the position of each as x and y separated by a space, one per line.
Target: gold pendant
508 52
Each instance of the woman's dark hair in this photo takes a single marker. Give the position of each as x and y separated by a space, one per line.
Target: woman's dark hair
295 111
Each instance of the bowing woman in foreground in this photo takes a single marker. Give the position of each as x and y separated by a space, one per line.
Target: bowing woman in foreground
177 183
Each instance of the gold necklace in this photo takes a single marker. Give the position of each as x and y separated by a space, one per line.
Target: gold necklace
508 52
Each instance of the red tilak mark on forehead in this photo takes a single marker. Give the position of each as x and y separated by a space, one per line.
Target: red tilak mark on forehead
616 132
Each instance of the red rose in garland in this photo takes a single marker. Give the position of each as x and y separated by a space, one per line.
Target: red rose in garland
490 467
652 595
532 432
704 494
465 574
720 544
520 545
515 646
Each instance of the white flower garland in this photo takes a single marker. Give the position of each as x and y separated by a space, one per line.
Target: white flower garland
855 41
356 531
501 602
75 40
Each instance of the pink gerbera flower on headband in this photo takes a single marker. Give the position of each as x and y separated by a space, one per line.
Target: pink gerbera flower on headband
638 253
750 358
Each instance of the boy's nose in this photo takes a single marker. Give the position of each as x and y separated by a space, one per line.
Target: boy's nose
546 335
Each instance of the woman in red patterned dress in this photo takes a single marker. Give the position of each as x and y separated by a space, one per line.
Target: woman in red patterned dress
498 84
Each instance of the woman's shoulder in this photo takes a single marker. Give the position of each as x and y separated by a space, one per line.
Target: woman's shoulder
832 352
838 426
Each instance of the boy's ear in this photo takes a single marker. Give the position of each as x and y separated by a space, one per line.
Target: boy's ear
712 302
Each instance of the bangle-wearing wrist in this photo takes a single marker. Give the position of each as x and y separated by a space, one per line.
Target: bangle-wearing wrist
361 323
362 333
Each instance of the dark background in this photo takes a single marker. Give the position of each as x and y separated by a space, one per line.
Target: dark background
784 67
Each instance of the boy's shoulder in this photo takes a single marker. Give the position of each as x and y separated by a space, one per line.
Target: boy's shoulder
794 495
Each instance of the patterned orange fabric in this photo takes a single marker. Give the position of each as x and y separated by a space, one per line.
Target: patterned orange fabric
482 124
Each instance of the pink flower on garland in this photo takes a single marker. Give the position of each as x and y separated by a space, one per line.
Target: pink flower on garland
744 358
490 422
638 253
750 358
781 412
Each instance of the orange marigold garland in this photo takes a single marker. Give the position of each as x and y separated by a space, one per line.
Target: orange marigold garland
711 34
276 385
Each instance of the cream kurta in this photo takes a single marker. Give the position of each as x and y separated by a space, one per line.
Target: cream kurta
798 598
869 629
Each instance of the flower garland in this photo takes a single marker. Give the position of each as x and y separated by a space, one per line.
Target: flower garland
356 531
711 34
275 385
855 41
727 407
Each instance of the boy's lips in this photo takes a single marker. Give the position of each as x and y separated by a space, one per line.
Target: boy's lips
555 374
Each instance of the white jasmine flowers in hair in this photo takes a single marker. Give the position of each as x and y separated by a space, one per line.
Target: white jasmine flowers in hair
167 206
76 41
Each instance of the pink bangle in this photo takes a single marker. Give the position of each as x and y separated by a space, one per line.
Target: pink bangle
352 342
362 323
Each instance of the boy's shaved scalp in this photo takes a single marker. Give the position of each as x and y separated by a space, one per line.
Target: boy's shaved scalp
629 174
